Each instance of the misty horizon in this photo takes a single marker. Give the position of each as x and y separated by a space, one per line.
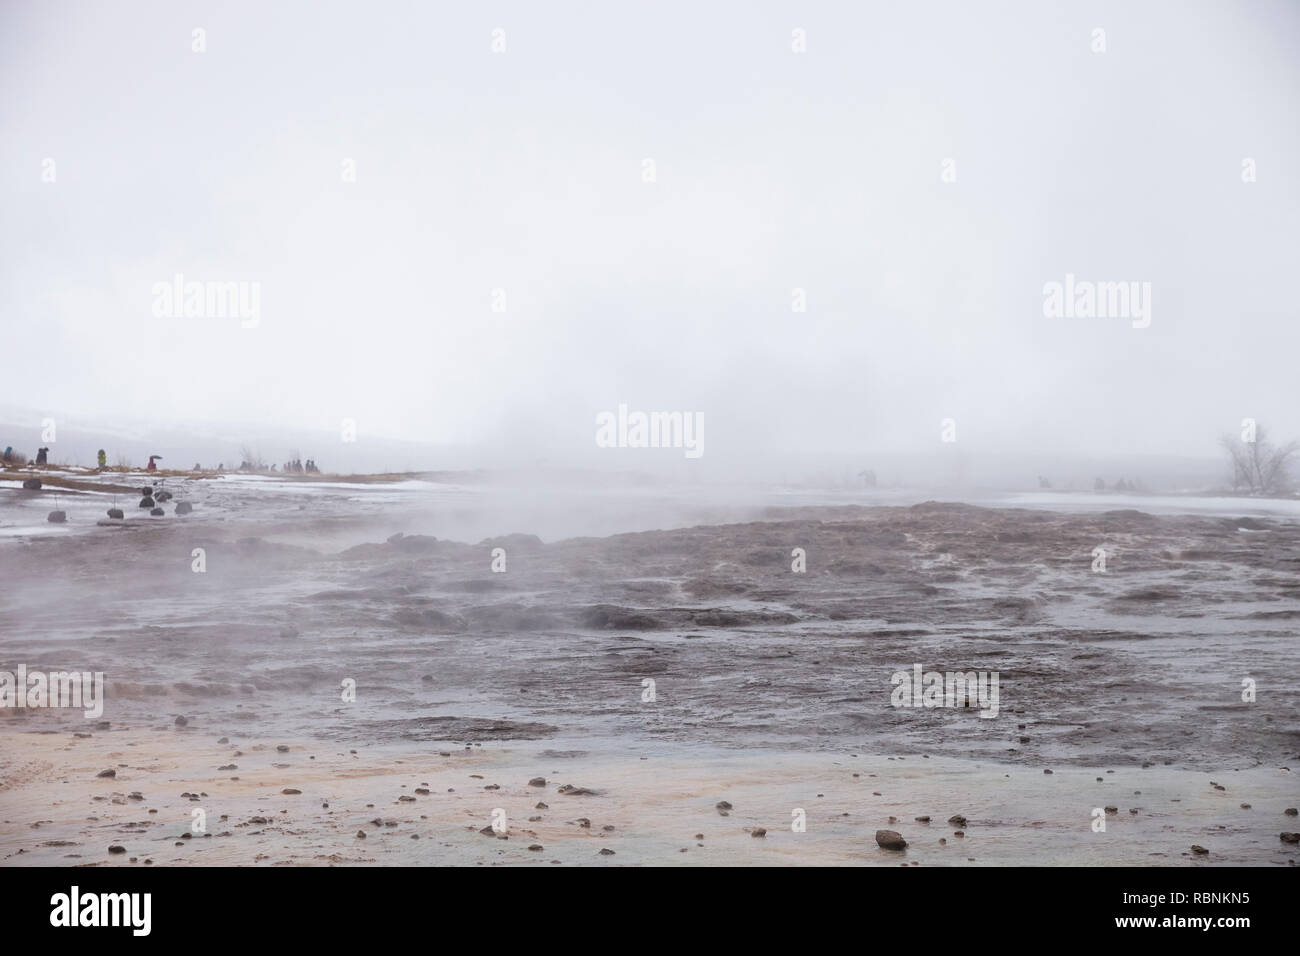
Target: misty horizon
835 250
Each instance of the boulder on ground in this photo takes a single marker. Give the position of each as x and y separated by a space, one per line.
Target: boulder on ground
890 839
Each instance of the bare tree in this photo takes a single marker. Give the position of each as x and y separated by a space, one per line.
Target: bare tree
1259 466
253 458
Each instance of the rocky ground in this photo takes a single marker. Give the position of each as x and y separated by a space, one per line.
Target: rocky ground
698 649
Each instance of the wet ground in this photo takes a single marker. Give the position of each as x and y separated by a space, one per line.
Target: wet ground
697 648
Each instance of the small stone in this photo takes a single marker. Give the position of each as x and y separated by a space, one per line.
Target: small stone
283 748
758 832
923 819
361 834
1112 809
107 773
890 840
606 851
537 848
1047 771
537 782
1290 837
181 722
290 792
116 849
1199 849
957 820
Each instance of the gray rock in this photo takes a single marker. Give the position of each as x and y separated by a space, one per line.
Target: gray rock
890 840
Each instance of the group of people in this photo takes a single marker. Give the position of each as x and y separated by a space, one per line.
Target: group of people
9 456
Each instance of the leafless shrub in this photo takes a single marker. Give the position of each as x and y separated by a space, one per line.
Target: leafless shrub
1258 466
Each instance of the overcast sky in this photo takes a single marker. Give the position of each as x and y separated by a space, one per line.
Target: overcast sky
523 170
